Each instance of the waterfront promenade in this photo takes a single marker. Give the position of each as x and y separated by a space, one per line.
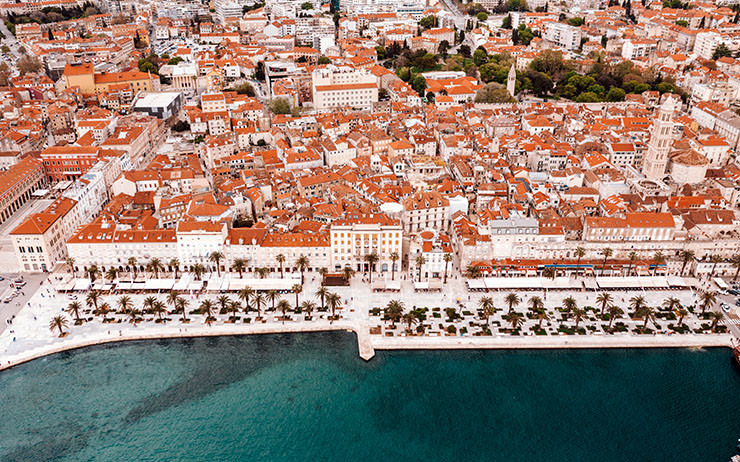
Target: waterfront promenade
29 336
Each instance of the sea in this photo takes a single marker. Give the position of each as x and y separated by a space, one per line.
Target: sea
309 397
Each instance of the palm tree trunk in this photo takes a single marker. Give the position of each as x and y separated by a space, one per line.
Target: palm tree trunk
611 320
736 273
445 272
393 271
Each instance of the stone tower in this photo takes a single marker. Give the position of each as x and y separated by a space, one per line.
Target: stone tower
656 157
511 81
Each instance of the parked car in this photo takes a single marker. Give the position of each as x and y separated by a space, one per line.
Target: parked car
725 307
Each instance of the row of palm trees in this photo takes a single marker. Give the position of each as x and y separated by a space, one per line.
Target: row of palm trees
249 296
605 300
474 272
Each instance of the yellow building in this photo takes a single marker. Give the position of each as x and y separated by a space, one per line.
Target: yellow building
92 83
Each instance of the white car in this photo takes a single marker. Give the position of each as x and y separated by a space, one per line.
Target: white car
725 307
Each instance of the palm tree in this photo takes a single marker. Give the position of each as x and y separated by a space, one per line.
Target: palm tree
420 261
716 318
280 258
174 265
273 295
159 308
672 304
681 313
473 272
149 302
182 303
216 257
736 263
542 316
536 304
486 305
606 252
92 272
570 305
134 315
103 310
58 322
515 319
239 266
348 273
262 272
659 259
302 264
333 301
614 312
686 256
172 299
92 299
125 304
307 307
74 308
512 300
223 302
580 253
71 263
371 259
648 314
578 315
206 306
258 299
447 257
235 307
112 273
197 270
715 259
633 257
394 311
549 273
707 300
394 258
283 306
245 295
322 292
637 303
605 299
410 318
296 289
155 265
132 263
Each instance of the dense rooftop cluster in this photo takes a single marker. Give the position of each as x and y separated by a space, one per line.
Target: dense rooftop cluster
503 139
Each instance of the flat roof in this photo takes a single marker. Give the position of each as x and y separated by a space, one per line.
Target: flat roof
157 99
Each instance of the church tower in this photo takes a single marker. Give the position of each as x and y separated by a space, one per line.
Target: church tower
656 157
511 81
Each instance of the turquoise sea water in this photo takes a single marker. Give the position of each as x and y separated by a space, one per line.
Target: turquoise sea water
309 397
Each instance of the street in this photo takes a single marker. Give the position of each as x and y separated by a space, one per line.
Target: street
10 309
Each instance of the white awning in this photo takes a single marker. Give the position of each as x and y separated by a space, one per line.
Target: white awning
421 285
393 285
195 285
475 283
676 281
435 284
264 284
82 284
631 282
159 284
378 284
720 283
182 283
138 285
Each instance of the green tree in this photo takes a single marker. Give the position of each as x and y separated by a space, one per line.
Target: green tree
58 322
615 94
576 21
419 84
482 16
506 23
279 106
480 57
307 6
323 60
493 93
28 64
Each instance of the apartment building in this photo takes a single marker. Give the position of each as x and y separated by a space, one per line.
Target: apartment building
353 239
19 183
563 35
334 87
